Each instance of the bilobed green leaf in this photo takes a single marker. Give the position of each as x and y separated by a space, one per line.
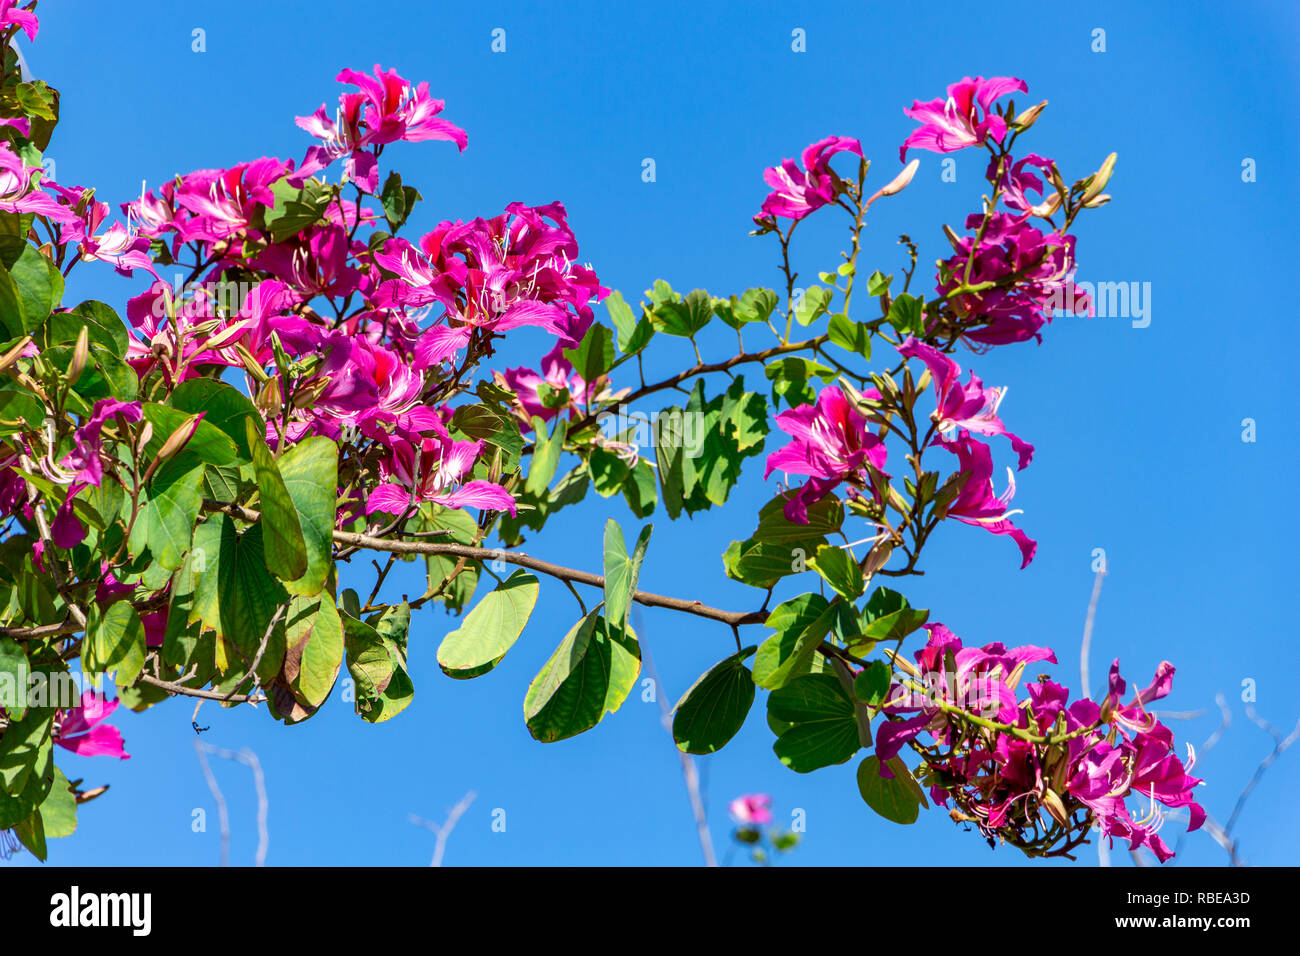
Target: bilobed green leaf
634 332
812 304
639 490
871 686
588 675
754 306
546 455
621 571
39 286
59 811
800 625
608 471
850 335
888 617
779 546
898 799
314 647
310 472
234 593
14 675
397 200
480 421
286 549
594 354
224 407
819 726
905 315
165 524
208 443
491 628
103 325
114 641
715 707
839 569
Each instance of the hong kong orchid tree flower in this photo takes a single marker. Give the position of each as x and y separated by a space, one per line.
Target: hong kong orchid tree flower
557 374
20 191
751 809
832 444
386 109
84 461
796 190
434 469
1029 273
13 15
83 730
963 119
977 504
970 406
120 245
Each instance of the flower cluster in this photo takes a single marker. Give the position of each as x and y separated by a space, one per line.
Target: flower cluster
1036 771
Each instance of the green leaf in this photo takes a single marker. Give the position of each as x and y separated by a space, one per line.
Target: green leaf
398 200
314 650
19 411
756 305
310 472
103 325
39 286
224 407
905 315
59 811
898 799
800 624
839 569
296 209
594 355
546 455
234 594
634 332
376 656
888 617
608 471
871 686
812 304
878 283
483 422
286 549
13 240
850 335
114 641
683 317
639 490
819 725
208 443
165 525
780 547
490 629
589 674
790 379
15 673
621 571
715 707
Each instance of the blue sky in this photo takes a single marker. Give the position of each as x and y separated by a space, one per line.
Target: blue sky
1138 430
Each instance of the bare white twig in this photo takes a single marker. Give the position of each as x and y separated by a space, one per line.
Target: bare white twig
443 830
1085 648
690 773
249 759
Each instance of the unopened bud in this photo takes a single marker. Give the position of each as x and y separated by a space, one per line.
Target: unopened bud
15 353
1099 179
269 399
1097 202
80 353
179 438
1029 117
899 182
953 238
228 335
1052 804
1047 207
306 395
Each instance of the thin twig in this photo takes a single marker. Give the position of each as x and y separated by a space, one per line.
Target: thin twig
442 831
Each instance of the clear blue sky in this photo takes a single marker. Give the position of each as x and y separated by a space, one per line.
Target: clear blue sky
1138 431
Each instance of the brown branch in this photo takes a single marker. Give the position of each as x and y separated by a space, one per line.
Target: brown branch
646 598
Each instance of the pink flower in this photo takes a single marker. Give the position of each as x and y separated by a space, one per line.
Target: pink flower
387 109
83 731
557 373
832 445
120 245
434 469
1017 182
84 460
955 123
977 504
751 809
20 194
1036 272
18 16
796 192
224 201
970 406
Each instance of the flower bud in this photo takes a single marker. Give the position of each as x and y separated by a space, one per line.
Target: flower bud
1047 207
1099 179
1097 202
953 240
1029 117
899 182
179 438
15 353
79 356
1052 803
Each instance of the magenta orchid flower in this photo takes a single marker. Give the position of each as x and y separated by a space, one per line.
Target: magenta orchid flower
977 504
13 15
434 469
20 192
1044 268
83 730
751 809
1017 182
970 406
948 125
224 201
387 109
558 374
66 531
832 445
798 191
